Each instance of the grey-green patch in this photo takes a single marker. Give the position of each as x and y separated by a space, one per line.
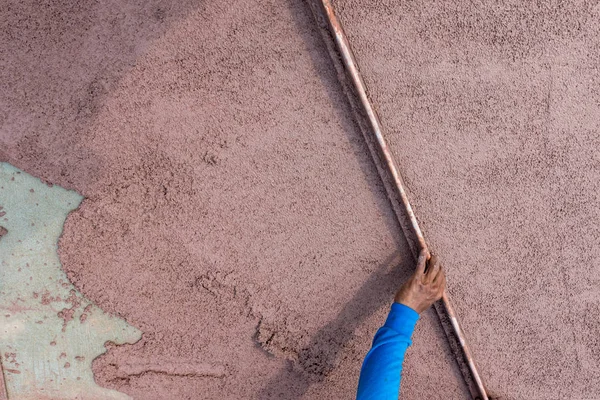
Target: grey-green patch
49 332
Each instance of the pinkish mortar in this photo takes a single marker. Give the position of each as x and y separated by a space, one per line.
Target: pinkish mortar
233 214
492 110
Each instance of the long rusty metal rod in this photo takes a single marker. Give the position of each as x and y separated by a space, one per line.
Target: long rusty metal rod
379 147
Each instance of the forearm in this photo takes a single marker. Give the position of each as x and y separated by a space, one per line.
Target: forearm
381 369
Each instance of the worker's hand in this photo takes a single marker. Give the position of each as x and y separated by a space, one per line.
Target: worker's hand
423 288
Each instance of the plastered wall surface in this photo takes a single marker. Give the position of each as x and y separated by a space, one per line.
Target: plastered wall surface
491 110
231 211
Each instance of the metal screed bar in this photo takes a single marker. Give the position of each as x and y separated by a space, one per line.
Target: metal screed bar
351 80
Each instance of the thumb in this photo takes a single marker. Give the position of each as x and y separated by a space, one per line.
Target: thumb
421 262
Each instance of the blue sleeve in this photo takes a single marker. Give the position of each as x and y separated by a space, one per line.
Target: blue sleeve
380 373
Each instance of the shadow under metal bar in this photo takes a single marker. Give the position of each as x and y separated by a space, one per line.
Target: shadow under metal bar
354 87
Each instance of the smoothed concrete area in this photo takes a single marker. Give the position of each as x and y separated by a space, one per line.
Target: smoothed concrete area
49 332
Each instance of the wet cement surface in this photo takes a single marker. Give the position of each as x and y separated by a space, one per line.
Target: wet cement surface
492 110
231 213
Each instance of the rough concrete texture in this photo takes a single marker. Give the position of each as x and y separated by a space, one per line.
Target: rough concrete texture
231 212
492 110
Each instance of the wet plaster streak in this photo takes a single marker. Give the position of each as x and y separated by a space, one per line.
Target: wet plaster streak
172 368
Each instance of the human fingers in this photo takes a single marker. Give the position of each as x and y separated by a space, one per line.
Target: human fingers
440 278
440 286
433 270
421 263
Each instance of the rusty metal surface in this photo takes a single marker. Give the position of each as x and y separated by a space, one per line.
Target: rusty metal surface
354 87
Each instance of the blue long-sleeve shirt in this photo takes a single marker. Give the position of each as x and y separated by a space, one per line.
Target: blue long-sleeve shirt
381 369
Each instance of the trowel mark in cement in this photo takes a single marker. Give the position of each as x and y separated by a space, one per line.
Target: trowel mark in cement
49 333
